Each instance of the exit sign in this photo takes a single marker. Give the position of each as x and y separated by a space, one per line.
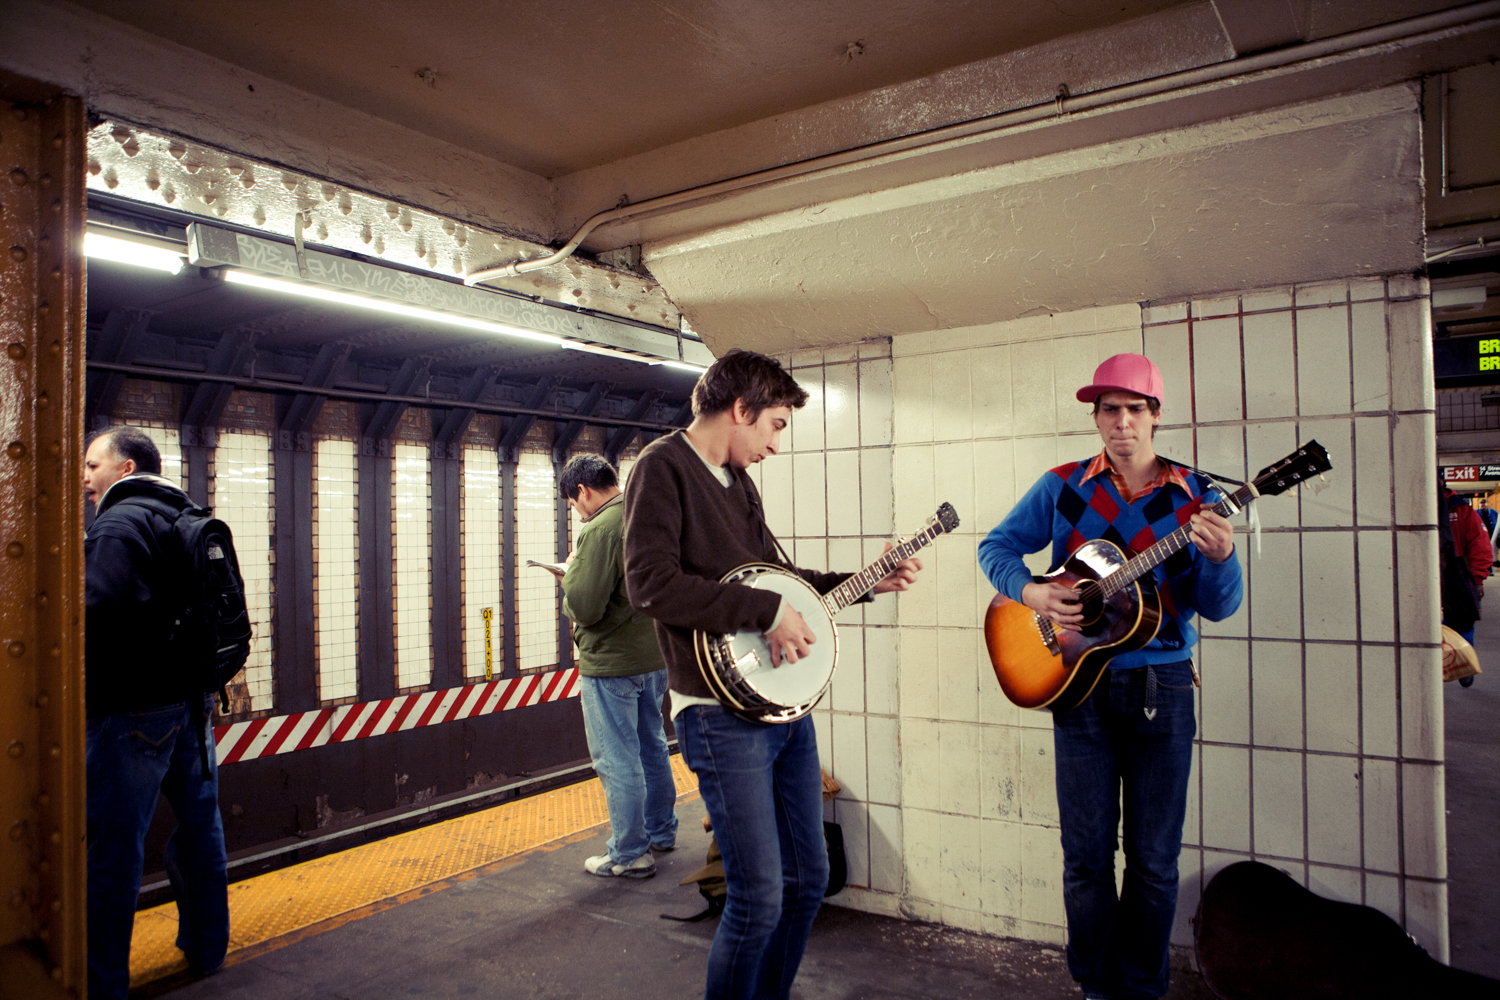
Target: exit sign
1470 473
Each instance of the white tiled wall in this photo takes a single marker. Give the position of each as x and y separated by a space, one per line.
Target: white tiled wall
243 498
411 524
167 442
536 538
336 567
1320 715
481 561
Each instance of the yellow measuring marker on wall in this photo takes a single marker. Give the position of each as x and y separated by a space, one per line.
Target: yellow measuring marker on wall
489 658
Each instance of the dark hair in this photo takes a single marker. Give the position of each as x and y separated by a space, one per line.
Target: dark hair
1152 403
593 471
134 444
745 375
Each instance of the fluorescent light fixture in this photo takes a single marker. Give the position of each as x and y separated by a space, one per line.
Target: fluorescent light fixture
683 366
129 252
608 352
384 306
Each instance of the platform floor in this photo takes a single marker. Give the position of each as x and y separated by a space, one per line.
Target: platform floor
1471 721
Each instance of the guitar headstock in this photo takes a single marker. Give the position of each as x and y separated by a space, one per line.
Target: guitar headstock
1307 461
946 517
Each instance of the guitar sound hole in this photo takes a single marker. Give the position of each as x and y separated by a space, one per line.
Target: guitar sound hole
1093 615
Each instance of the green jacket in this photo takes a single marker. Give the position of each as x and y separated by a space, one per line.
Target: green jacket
614 639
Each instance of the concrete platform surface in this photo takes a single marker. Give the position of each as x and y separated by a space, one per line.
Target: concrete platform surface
1472 771
543 928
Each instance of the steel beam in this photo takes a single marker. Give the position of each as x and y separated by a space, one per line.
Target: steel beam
116 343
620 437
565 438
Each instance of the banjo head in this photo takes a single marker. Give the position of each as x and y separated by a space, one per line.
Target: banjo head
743 659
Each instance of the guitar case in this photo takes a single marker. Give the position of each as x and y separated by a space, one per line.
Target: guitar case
1260 935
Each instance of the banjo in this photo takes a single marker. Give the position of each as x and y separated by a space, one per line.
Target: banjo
737 667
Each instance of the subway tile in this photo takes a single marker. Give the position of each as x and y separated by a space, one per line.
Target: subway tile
1000 859
1278 803
1332 681
810 515
1424 825
994 485
1427 916
1225 669
1075 322
882 671
1362 289
919 762
884 609
1328 585
1264 445
1226 796
885 846
1192 819
1034 456
1018 331
953 476
1000 772
1413 474
1167 346
994 707
1378 700
1207 308
1073 364
1276 588
809 553
1276 678
1257 301
1327 501
1038 778
1381 816
776 494
1176 443
1323 382
950 566
807 358
1410 324
876 403
840 354
1125 316
919 605
1376 586
990 380
1333 810
1042 871
841 406
1340 884
961 862
1270 366
1401 286
957 676
843 492
1372 471
1421 702
1383 892
1033 391
1221 450
919 695
879 347
1168 312
915 495
1322 293
952 402
807 423
1416 571
848 742
1371 356
957 776
821 727
854 822
1217 378
883 756
876 491
922 851
848 692
1189 894
919 342
911 379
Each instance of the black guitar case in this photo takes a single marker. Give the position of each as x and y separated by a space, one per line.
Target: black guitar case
1261 936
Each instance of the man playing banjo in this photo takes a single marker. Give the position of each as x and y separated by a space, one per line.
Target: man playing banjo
692 515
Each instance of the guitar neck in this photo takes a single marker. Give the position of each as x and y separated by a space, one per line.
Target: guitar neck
863 582
1139 565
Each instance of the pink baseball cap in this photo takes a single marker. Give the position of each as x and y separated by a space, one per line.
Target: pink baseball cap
1127 373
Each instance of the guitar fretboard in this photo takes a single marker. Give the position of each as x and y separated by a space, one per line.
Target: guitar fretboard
1139 565
861 583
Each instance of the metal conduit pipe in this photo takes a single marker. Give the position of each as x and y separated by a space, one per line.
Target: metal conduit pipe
1399 34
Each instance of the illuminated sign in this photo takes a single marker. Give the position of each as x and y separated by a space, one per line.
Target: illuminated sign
1469 473
1464 361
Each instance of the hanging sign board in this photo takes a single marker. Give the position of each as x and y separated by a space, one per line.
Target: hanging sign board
1466 361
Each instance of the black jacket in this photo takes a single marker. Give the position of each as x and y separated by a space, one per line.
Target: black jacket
131 597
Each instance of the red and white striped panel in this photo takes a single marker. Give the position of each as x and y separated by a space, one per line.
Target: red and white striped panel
303 730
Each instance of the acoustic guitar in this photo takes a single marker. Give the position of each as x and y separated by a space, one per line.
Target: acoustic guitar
1042 665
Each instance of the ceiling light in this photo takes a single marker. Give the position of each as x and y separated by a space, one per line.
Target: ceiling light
129 252
385 306
608 352
683 366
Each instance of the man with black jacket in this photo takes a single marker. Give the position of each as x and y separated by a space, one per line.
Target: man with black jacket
147 731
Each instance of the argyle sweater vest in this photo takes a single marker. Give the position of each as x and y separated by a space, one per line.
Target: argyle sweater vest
1066 510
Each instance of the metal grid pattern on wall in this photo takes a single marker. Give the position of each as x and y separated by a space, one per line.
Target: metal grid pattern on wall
481 546
243 497
336 568
536 538
411 530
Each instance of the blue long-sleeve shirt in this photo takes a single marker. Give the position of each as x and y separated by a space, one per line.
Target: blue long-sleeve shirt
1067 509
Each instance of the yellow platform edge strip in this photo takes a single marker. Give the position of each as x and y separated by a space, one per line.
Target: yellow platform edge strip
278 908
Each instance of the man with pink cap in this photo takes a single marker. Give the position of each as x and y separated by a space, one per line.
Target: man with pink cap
1134 733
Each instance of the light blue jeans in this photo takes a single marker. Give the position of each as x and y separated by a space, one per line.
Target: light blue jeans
622 718
134 757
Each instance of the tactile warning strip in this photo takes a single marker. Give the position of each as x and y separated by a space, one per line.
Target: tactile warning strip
280 903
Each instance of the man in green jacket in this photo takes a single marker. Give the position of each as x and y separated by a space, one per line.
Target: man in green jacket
623 678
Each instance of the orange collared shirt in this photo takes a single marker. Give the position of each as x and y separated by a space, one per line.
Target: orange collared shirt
1166 473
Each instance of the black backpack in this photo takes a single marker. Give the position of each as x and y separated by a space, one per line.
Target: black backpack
211 635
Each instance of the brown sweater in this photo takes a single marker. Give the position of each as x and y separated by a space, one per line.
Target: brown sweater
683 531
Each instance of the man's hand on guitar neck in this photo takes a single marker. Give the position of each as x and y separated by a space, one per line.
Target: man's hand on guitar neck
790 640
1213 535
1055 601
900 578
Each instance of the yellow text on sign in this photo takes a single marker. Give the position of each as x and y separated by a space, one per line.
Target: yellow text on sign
489 660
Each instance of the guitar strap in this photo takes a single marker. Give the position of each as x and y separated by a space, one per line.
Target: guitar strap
765 529
1251 511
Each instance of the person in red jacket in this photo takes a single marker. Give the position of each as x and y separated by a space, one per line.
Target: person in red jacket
1470 543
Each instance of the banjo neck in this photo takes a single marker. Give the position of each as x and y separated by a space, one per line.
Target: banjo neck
864 581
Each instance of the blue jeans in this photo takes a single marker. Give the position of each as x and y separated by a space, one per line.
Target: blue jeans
132 758
764 792
1117 947
622 719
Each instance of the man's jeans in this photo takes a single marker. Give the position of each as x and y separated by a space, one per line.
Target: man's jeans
132 758
1118 948
622 719
764 792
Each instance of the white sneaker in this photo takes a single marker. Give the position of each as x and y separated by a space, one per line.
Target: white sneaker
642 867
